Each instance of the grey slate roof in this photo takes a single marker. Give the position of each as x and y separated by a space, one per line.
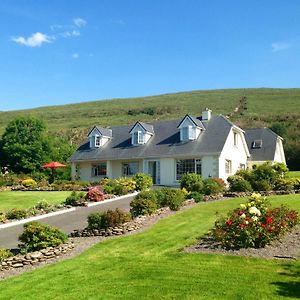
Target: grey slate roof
164 143
103 131
268 138
196 121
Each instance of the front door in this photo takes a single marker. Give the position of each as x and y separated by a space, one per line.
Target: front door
154 170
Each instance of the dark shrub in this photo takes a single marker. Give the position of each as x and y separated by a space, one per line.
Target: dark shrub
144 203
95 194
76 199
42 205
96 221
2 217
37 236
191 182
113 218
285 184
4 253
173 198
261 185
246 174
198 197
142 181
211 187
160 197
239 184
16 213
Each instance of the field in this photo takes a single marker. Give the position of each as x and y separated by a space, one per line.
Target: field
19 199
151 265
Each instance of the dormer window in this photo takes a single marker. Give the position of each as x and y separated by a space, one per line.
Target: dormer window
99 136
141 133
257 144
138 138
97 141
190 128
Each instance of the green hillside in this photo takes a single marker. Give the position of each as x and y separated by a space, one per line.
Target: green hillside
256 108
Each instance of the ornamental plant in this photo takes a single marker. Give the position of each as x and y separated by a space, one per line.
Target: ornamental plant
95 194
253 224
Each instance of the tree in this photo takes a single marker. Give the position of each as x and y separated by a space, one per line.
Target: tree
24 145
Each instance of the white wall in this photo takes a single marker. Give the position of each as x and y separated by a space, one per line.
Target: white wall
237 154
210 166
167 171
279 152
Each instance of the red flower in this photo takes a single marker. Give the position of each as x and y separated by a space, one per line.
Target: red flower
229 222
263 225
268 212
240 212
242 225
270 229
247 219
269 220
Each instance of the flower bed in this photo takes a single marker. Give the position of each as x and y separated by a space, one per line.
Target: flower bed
254 224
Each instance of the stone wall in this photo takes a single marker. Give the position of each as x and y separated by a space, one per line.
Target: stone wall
34 258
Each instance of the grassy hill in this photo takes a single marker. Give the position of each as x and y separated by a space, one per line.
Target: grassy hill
247 107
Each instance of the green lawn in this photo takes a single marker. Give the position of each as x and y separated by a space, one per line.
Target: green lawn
20 199
150 265
294 174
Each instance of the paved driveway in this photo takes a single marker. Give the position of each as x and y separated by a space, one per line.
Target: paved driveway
66 222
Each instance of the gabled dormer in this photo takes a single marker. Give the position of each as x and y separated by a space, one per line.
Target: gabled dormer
99 136
141 133
190 128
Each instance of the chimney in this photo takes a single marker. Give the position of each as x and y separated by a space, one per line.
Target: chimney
206 114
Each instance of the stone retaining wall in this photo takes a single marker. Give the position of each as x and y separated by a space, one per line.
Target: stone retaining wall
34 258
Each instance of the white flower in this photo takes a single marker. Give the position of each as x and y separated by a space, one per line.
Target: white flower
254 218
243 206
246 222
254 211
243 216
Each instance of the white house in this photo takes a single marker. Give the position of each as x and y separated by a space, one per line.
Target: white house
210 145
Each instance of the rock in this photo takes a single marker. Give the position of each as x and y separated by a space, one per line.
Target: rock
18 265
35 255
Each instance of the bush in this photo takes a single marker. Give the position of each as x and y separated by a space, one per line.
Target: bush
2 217
16 213
142 181
126 185
253 224
75 199
261 185
144 203
191 182
173 198
95 194
113 218
285 184
4 253
42 205
239 184
198 197
211 187
29 183
96 221
37 236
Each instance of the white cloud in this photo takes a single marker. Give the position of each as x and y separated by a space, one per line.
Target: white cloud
70 33
35 40
79 22
75 55
280 46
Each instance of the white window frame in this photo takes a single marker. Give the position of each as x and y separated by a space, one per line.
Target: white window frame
130 168
195 167
228 166
138 138
96 169
235 139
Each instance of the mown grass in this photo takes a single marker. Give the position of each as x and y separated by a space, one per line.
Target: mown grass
293 174
151 265
26 199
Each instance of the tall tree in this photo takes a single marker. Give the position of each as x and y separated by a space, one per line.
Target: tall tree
24 144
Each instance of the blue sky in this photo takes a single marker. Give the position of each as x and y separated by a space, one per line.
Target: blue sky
61 51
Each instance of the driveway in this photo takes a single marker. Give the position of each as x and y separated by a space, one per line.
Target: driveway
66 222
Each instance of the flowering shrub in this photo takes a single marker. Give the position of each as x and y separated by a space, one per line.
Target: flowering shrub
29 183
253 224
95 194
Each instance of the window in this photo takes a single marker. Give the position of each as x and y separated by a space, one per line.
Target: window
187 166
188 133
228 166
130 169
97 141
257 144
235 139
99 170
242 167
138 138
